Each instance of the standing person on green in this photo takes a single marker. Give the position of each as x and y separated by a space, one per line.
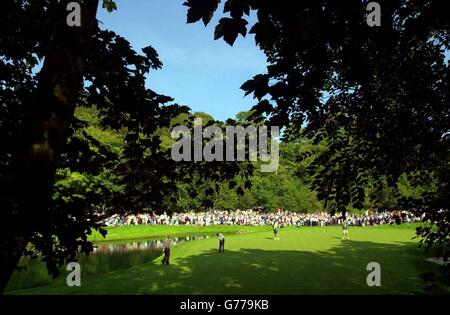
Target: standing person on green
166 250
275 230
344 229
221 243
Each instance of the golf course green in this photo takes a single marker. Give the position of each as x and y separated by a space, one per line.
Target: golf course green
306 260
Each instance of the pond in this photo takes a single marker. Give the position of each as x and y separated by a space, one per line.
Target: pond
106 257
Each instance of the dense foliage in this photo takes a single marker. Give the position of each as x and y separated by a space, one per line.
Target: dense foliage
57 170
378 95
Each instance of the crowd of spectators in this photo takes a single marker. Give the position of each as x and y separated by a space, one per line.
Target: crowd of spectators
257 217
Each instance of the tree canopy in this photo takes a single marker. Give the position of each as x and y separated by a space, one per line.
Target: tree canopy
379 95
58 169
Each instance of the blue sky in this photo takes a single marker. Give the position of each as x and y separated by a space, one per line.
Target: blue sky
198 71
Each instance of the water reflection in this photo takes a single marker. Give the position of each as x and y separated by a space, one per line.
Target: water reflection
105 258
141 245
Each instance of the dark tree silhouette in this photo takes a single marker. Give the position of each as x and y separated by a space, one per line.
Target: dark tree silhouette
379 95
81 65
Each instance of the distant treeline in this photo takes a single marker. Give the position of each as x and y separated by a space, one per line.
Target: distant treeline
289 188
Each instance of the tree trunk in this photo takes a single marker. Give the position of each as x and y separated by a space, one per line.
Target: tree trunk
59 85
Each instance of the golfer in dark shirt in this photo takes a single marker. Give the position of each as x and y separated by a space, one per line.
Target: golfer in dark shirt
221 242
166 250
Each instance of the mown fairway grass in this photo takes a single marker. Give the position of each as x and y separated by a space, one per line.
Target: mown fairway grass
307 260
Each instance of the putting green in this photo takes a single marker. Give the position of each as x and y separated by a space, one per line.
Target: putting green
306 260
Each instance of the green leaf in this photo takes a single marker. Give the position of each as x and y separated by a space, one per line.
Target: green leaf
201 9
152 55
109 5
229 29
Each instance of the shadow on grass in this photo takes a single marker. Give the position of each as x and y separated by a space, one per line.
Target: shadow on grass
339 270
